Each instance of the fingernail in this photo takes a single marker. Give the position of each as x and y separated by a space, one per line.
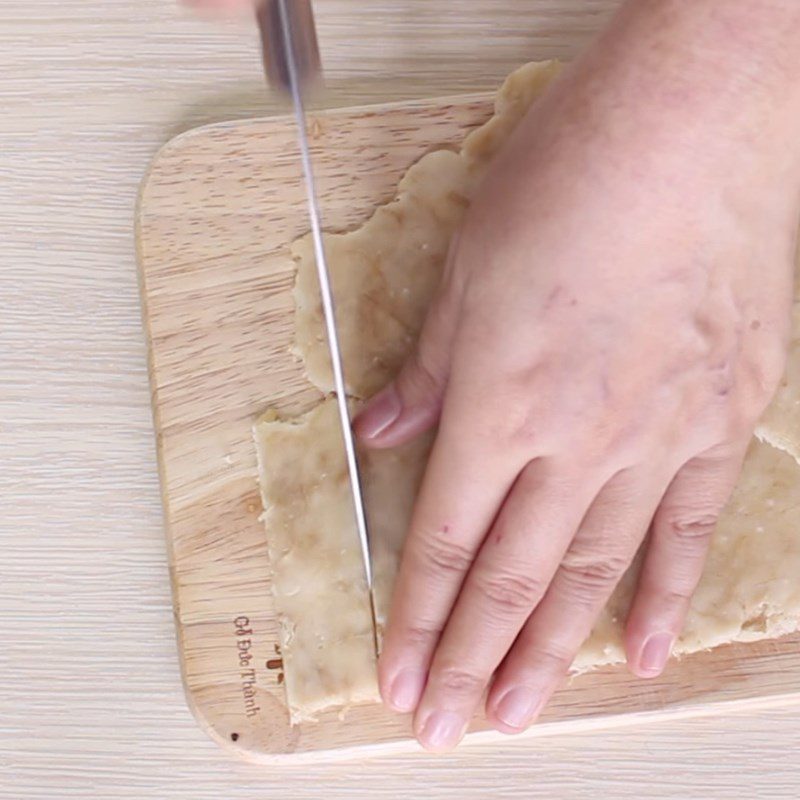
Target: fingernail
406 690
655 653
379 413
518 707
442 731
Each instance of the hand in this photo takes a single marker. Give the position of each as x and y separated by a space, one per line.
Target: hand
612 322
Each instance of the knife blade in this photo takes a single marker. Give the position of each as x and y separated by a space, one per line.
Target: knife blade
292 64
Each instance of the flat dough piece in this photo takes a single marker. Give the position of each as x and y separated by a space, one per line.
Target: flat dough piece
384 276
384 273
318 581
749 588
327 639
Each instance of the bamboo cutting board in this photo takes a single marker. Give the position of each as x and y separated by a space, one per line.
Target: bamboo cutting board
216 213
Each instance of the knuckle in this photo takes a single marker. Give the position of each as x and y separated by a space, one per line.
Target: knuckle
511 594
769 368
421 637
759 378
678 595
551 658
589 574
692 529
459 681
521 423
670 592
741 420
444 557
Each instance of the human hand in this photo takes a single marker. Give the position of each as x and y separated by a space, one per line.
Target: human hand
612 323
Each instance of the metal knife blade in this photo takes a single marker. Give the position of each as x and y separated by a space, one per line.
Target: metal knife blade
292 63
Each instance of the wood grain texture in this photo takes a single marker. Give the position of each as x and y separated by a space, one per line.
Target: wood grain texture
218 211
91 704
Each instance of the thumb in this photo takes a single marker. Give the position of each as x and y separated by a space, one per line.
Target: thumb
412 402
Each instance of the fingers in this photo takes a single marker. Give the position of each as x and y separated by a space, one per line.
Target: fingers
509 577
466 481
412 403
676 554
598 556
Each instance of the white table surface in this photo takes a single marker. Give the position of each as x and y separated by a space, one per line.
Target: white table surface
90 696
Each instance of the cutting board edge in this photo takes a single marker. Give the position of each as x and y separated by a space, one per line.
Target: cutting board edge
600 722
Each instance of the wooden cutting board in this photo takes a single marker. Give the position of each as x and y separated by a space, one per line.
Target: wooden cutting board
216 213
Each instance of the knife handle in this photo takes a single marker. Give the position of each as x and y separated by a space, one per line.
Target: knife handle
303 35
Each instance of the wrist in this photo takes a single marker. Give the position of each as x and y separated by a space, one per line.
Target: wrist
702 81
714 56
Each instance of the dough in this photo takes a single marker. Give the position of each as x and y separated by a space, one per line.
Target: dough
326 635
327 639
384 275
749 588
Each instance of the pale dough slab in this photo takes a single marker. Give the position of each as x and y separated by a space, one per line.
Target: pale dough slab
384 275
385 272
750 588
318 576
319 585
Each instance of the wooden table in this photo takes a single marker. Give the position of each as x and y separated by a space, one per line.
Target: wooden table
90 697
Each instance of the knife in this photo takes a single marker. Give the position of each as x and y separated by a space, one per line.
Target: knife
292 64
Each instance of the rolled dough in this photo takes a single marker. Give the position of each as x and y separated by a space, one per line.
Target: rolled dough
385 272
384 275
318 581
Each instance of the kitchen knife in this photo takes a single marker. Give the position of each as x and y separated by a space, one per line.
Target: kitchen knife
292 64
